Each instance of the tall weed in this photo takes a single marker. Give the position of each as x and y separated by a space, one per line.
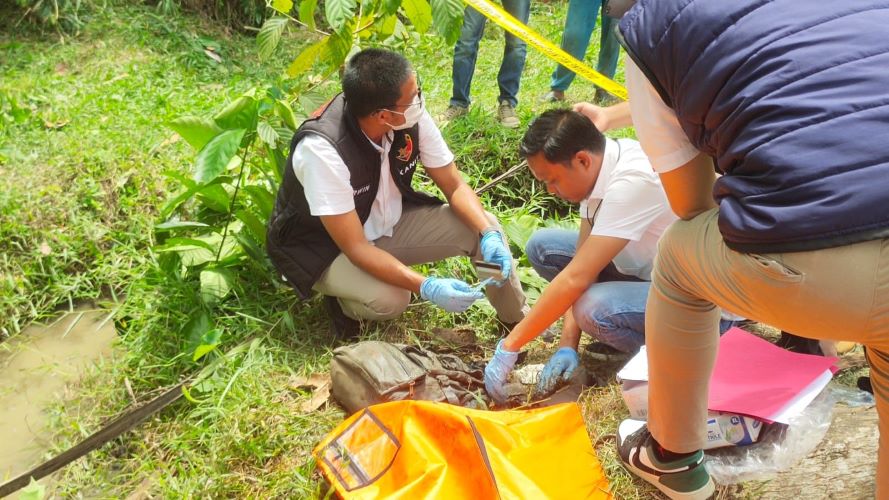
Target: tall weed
64 15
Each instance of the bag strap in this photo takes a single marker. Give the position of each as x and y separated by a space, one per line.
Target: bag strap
449 393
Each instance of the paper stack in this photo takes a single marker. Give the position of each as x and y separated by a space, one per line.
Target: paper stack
752 379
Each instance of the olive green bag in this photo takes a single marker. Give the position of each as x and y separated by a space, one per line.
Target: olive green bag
374 372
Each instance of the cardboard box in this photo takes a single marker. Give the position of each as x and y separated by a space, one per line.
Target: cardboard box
728 429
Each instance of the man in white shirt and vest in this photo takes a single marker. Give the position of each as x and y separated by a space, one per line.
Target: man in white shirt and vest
600 277
348 223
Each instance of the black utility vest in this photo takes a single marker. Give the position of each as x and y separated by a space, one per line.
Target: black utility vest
297 242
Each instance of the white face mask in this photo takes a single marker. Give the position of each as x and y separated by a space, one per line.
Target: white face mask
411 115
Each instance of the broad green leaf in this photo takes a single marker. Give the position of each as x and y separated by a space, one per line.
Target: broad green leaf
447 16
519 229
215 198
285 135
274 164
175 244
390 7
195 130
532 283
285 112
214 157
209 342
230 249
251 247
282 6
215 284
254 226
189 255
170 264
235 162
267 134
171 225
197 326
311 102
334 52
419 12
339 12
192 189
270 35
307 12
34 491
262 198
307 58
346 47
238 114
174 202
366 25
387 26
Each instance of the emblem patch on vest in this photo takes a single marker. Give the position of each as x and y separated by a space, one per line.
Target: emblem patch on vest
404 154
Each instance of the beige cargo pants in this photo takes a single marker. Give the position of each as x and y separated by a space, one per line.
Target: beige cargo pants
837 293
423 234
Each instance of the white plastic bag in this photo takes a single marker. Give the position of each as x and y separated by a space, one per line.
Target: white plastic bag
781 446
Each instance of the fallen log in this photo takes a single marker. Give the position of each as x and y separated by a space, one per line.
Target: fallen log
842 467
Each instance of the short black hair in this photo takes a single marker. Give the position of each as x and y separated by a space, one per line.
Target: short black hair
373 79
559 134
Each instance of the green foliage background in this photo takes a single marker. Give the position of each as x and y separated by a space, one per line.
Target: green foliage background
137 161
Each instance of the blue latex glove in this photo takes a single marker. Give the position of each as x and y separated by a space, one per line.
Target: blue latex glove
449 294
495 251
559 367
497 372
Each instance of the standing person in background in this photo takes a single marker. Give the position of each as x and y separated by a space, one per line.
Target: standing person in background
790 104
579 25
511 66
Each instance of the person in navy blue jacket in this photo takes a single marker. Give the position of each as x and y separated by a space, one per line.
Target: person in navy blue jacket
790 104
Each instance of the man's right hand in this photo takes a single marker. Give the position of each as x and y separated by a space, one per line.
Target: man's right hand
605 119
450 294
596 114
497 372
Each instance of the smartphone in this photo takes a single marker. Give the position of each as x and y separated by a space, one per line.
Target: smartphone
486 270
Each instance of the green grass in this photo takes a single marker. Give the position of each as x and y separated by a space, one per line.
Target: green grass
83 150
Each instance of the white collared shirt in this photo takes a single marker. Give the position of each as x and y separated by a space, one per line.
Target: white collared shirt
628 202
657 127
326 179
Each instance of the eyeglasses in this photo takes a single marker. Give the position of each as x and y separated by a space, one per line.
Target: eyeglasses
417 101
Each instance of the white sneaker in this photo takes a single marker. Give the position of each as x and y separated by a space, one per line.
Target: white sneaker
683 479
506 115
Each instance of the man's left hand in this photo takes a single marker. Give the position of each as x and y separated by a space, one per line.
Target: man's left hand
495 251
559 368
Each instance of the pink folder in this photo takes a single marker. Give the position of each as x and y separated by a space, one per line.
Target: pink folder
754 377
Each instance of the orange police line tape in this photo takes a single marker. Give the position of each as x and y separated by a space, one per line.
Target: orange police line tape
531 37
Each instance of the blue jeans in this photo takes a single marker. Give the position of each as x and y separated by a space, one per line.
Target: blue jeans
612 310
579 25
466 52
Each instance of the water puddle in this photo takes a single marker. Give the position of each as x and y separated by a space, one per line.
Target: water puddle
35 367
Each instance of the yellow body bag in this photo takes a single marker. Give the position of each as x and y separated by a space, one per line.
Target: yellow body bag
421 449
